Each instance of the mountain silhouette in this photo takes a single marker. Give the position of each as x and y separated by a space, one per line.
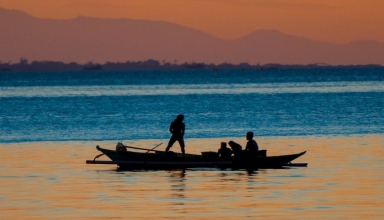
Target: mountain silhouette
84 39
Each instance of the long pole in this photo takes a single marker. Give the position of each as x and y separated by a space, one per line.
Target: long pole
138 148
154 147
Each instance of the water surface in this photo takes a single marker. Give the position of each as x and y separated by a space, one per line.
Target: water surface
344 180
51 122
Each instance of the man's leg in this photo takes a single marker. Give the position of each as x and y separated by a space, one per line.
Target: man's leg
182 146
170 143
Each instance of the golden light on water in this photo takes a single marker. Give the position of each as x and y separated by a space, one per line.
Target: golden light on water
48 180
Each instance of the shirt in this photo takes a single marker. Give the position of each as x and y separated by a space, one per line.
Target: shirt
252 146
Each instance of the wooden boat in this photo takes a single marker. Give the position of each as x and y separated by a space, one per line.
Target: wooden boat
160 160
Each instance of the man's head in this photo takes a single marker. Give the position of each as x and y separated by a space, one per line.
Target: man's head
180 117
249 135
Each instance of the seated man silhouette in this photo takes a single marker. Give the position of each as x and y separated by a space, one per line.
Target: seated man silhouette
236 148
251 144
224 151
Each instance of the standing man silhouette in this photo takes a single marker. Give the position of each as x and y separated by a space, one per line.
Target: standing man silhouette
177 128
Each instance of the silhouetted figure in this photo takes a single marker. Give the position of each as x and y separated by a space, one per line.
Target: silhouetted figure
236 148
224 151
251 144
251 150
177 128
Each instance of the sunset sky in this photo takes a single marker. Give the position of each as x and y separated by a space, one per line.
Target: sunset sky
337 21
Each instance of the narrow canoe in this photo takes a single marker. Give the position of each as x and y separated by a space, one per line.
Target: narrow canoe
159 160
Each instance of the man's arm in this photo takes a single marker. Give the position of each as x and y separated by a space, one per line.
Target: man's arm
171 128
183 130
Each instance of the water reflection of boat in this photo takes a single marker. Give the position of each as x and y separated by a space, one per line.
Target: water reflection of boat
160 160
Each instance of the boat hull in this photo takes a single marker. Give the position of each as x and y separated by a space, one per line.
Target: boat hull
166 161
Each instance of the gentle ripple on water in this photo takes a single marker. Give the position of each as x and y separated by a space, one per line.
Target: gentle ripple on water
344 180
334 113
189 89
115 105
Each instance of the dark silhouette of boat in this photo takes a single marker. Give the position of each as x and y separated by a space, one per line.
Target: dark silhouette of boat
160 160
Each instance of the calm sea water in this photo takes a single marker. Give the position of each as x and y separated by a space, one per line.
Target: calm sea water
51 121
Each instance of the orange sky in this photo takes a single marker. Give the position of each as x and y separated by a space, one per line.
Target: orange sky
338 21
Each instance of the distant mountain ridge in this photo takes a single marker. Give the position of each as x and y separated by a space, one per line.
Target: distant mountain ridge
84 39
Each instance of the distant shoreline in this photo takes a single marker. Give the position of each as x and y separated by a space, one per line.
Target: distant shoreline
151 64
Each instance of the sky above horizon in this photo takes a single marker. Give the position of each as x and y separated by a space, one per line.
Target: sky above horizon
337 21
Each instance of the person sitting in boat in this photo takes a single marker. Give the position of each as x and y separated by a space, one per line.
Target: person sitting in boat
224 151
177 129
251 144
236 148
